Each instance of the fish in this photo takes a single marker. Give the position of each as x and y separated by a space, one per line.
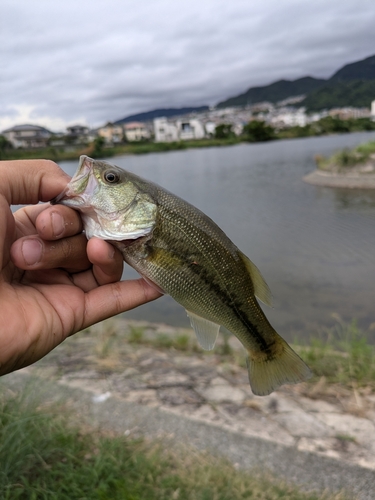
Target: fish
182 252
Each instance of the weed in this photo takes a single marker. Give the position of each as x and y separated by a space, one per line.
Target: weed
136 334
344 355
44 457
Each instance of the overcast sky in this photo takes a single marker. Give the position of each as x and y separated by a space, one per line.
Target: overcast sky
79 61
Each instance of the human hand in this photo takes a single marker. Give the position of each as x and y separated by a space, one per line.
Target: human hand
53 282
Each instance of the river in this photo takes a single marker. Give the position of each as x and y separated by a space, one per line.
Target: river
315 246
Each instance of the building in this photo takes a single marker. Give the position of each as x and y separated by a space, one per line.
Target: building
349 112
289 117
78 134
112 134
27 136
136 131
190 129
165 131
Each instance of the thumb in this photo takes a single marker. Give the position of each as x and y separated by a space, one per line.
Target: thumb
30 181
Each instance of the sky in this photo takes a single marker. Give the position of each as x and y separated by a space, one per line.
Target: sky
89 62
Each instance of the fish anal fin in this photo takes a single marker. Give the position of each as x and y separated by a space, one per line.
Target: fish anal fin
286 367
206 330
261 289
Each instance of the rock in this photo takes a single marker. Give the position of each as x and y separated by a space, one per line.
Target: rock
361 429
220 391
301 424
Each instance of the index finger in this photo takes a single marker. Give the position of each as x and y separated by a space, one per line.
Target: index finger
30 181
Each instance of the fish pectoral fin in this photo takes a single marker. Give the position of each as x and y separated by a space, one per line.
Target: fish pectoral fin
206 331
261 289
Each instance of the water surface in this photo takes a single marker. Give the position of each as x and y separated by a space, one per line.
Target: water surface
315 246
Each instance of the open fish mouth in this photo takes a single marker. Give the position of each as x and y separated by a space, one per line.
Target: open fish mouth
81 187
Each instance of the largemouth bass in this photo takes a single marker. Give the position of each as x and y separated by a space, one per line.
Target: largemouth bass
184 253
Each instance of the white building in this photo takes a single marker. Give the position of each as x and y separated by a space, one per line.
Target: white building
165 131
27 136
210 128
373 110
190 129
136 131
289 118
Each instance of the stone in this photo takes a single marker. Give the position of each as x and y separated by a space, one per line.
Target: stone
353 427
301 424
222 393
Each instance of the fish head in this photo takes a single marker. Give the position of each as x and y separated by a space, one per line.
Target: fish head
112 204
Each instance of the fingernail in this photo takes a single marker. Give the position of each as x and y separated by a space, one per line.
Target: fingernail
31 251
58 225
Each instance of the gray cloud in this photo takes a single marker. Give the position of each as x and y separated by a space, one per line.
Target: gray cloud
68 61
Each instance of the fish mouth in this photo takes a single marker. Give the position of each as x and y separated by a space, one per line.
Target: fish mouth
75 192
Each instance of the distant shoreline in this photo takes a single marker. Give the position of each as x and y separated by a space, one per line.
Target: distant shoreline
347 181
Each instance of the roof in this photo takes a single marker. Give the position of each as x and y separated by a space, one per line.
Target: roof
19 128
131 125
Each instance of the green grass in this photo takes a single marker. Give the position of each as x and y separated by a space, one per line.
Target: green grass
44 457
59 154
342 355
345 159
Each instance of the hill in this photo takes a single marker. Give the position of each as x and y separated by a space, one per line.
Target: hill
354 93
360 70
351 85
157 113
274 92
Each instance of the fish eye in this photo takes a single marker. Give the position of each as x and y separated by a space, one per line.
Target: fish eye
111 177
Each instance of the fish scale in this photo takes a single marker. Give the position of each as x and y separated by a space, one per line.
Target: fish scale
181 250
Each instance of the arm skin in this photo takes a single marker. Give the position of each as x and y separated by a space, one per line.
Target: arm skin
53 283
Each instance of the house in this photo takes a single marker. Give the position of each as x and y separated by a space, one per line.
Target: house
78 134
190 129
136 131
113 134
210 128
165 131
27 136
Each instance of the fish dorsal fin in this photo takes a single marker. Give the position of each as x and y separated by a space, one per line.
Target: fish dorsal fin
206 330
261 289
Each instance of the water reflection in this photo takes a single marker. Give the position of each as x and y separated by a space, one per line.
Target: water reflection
349 198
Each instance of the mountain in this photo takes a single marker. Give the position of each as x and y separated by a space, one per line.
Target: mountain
274 92
158 113
360 70
352 85
354 93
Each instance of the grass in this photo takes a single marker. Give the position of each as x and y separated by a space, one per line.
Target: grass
179 342
44 456
346 159
72 153
342 355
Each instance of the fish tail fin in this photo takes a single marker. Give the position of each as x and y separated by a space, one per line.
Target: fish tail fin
266 374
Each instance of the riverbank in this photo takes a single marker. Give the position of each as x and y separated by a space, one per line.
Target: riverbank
350 180
160 367
136 148
350 169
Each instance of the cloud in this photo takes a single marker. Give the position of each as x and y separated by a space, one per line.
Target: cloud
99 61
